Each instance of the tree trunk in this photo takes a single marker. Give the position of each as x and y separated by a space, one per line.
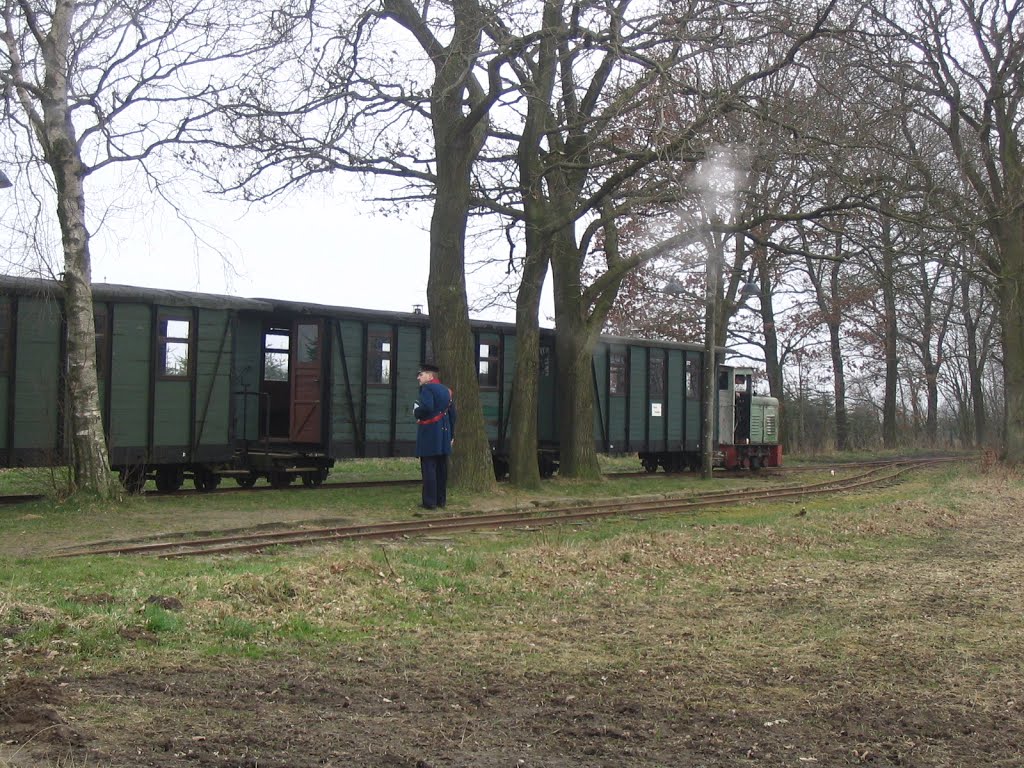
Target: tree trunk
575 337
830 303
524 471
456 144
574 349
1011 283
931 425
523 468
89 459
888 288
451 331
836 352
975 365
773 366
839 388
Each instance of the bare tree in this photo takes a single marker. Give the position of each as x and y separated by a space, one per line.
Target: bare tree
963 58
638 95
388 90
91 85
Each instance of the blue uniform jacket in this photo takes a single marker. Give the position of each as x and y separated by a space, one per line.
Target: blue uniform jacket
435 439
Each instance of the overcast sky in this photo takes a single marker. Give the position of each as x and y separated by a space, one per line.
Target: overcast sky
316 246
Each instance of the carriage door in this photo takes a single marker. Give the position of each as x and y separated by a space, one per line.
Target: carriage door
306 375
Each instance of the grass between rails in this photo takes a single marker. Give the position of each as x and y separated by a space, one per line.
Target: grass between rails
852 609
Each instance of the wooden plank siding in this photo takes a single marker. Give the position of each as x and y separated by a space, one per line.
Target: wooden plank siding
211 435
409 352
348 385
675 416
379 400
247 341
130 388
37 382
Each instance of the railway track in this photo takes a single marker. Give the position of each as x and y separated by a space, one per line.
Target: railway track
346 484
12 499
178 546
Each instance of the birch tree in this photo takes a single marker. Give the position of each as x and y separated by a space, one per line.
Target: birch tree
90 85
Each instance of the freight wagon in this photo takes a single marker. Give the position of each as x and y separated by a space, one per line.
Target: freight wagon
204 387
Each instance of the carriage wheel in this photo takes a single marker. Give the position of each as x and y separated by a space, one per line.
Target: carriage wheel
547 466
315 478
205 481
280 479
500 468
169 479
247 481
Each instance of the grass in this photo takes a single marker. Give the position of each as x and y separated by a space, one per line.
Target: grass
909 587
296 600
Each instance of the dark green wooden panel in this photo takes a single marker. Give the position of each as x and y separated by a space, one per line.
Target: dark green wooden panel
37 379
693 409
172 412
131 367
378 410
348 382
675 397
248 367
409 353
6 374
637 387
603 431
5 394
657 404
213 378
379 398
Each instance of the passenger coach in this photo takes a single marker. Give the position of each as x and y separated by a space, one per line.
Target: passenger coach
202 387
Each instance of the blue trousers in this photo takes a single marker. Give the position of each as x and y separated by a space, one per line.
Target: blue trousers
434 470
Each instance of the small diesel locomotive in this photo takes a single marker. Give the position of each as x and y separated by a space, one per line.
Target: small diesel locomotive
204 387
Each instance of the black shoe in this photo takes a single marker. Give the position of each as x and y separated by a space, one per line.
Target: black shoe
426 506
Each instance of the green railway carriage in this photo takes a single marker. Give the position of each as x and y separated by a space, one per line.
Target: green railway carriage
163 368
648 397
648 401
204 387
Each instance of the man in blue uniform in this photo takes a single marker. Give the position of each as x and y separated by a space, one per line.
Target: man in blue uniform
435 433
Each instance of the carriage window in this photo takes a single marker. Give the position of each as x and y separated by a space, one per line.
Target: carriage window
5 336
309 343
656 376
275 356
174 345
693 385
379 363
617 374
99 316
544 362
488 363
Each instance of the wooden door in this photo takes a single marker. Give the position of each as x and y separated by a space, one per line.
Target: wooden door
307 374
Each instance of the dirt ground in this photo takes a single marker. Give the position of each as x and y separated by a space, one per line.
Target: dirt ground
289 716
418 711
